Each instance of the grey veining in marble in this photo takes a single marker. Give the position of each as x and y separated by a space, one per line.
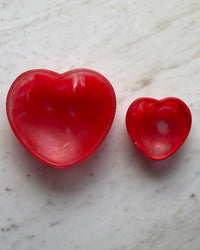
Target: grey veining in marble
117 199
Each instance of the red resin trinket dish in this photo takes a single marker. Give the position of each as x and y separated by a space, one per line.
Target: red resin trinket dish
158 127
61 118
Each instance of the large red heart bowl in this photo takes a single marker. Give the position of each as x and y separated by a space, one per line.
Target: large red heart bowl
158 127
61 118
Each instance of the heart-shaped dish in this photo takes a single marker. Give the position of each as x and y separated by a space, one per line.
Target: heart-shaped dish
158 127
61 118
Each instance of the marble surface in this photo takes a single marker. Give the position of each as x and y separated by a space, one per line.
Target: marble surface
117 199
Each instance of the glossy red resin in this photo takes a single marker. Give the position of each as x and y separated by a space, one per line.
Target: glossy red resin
158 127
61 118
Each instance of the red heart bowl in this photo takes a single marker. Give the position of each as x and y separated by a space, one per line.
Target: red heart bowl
61 118
158 127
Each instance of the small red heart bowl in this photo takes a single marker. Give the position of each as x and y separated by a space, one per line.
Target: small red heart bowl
158 127
61 118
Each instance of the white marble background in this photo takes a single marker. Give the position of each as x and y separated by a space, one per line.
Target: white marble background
117 199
